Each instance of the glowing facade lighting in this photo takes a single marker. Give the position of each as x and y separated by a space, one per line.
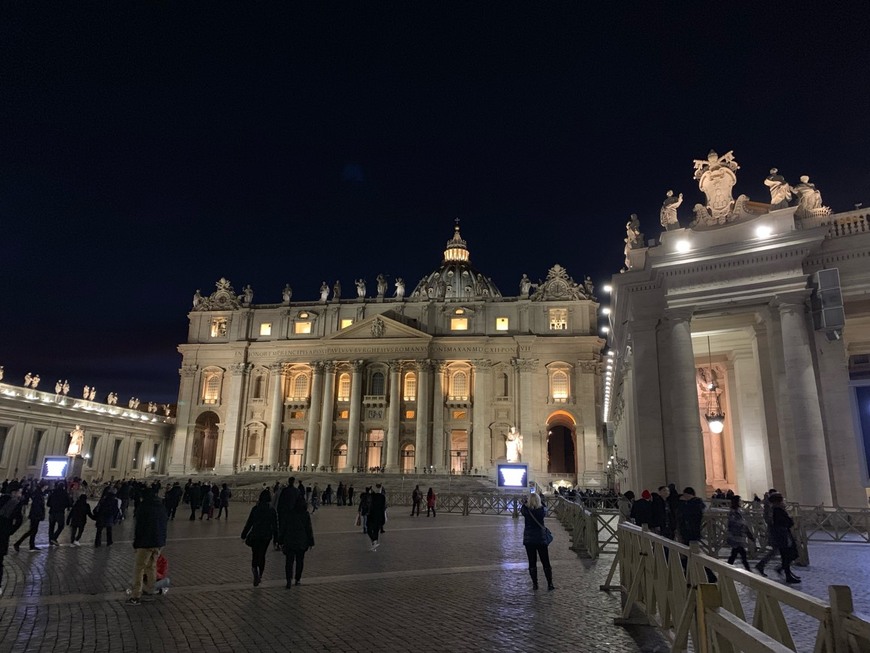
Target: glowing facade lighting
763 231
683 246
607 288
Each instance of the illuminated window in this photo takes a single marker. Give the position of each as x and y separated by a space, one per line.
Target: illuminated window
343 414
266 329
460 414
377 385
300 386
459 324
501 324
559 383
211 387
218 327
409 414
344 387
558 319
459 385
346 322
302 327
410 387
460 311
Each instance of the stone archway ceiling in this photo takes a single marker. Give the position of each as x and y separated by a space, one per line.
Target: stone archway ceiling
561 418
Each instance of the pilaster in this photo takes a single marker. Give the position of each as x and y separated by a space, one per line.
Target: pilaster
391 463
229 442
312 437
421 454
353 434
273 440
480 420
326 415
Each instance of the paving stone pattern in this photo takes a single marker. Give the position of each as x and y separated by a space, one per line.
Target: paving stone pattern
451 583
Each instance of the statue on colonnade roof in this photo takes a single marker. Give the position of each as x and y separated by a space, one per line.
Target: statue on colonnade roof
716 177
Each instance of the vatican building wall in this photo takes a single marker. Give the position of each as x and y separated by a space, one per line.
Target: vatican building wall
741 345
448 376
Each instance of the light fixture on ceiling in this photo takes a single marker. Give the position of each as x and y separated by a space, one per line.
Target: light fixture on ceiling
714 414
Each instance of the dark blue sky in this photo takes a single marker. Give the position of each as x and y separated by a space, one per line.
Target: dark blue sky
148 150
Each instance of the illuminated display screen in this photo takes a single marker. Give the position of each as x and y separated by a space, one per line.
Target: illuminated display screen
513 475
54 467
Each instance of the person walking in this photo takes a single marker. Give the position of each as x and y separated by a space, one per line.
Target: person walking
260 529
149 536
225 495
416 500
195 497
173 498
377 516
690 516
106 514
782 539
10 504
738 532
34 516
363 510
78 518
297 536
535 540
58 503
207 502
431 501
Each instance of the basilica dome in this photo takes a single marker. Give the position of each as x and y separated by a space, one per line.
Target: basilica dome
456 279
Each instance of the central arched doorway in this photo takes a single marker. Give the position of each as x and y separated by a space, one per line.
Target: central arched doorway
205 438
561 444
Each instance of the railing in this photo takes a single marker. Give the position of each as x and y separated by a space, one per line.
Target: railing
847 223
581 525
826 524
693 597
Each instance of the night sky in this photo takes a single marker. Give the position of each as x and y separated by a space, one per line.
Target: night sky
148 150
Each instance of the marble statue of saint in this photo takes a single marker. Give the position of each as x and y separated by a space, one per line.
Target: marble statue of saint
632 231
130 403
76 442
28 379
166 410
525 286
382 285
136 403
360 288
336 291
65 388
669 211
58 387
809 199
513 445
248 294
86 392
1 372
93 393
197 298
400 288
589 287
780 191
35 381
287 293
324 291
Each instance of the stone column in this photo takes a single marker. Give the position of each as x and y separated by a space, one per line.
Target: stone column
746 399
326 415
421 454
534 455
182 440
438 417
312 438
481 397
391 463
645 401
804 444
353 423
276 420
776 412
686 457
587 393
229 443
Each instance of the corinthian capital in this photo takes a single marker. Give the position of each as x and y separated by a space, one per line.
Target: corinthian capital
188 370
525 364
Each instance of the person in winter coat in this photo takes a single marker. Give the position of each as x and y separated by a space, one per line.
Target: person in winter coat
690 516
641 510
534 539
377 516
781 538
207 503
416 500
77 518
195 496
149 537
173 498
106 514
297 536
364 502
10 504
225 495
260 529
738 532
58 503
673 502
431 502
659 517
36 515
624 504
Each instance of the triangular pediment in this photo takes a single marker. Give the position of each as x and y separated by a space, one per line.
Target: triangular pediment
379 327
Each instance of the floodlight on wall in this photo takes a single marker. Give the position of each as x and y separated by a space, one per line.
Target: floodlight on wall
714 414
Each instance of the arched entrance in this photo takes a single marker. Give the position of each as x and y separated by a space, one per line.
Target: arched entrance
561 444
374 446
408 456
205 438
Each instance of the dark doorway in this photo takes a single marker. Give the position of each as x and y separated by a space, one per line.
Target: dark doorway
560 451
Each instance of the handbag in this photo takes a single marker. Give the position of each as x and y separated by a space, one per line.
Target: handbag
548 535
358 520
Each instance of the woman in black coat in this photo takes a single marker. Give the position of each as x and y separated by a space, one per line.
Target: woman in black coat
535 540
261 527
297 537
77 518
36 515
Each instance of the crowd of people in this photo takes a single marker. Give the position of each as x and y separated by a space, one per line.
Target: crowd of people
679 516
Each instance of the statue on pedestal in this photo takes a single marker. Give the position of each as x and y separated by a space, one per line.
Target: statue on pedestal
93 393
58 387
513 445
76 442
360 288
247 295
1 372
809 200
324 291
197 298
780 191
525 286
65 388
86 392
716 178
28 379
633 237
669 211
400 288
287 293
35 381
382 285
336 291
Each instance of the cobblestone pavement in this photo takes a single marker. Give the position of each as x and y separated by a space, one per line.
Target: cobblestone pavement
451 583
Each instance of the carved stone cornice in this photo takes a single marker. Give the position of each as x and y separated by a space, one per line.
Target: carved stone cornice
482 364
278 368
440 366
237 369
525 364
357 366
329 367
188 370
792 302
590 366
318 366
395 367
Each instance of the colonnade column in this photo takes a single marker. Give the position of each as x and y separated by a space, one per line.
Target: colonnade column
421 457
326 415
479 418
805 442
391 461
182 441
230 436
276 420
313 436
686 458
535 456
353 423
438 417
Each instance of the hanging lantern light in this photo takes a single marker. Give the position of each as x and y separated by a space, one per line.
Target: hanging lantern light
714 414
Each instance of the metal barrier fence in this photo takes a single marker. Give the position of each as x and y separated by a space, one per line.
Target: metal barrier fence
693 597
827 524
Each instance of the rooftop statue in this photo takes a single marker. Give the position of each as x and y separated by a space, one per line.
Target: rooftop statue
809 200
336 291
58 387
247 295
28 379
197 298
633 237
716 178
780 191
287 293
400 288
86 392
324 291
360 288
669 211
35 381
525 286
65 388
382 285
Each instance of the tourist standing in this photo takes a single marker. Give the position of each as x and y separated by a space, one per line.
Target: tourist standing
195 497
225 495
363 509
297 536
207 502
416 500
78 518
350 495
259 530
10 503
377 515
738 532
641 510
624 504
35 515
690 516
173 498
431 501
148 538
58 503
107 514
535 540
